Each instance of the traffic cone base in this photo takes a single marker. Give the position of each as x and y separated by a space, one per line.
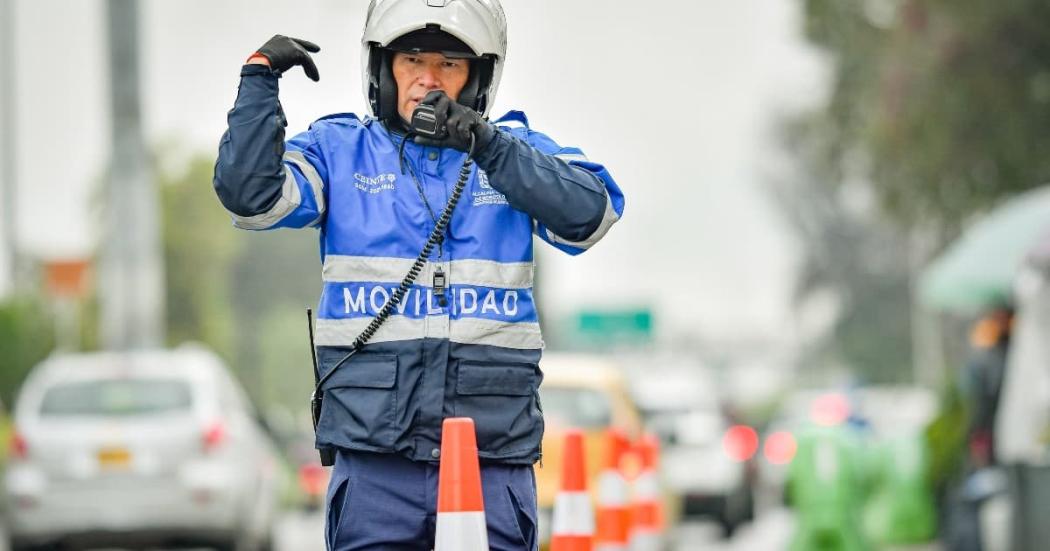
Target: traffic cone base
463 531
647 517
613 527
572 543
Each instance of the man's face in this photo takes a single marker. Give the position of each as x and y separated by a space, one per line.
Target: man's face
418 74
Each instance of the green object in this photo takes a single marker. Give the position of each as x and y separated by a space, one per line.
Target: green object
631 325
902 511
827 483
978 270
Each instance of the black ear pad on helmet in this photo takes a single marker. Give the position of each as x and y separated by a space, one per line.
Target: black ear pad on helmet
382 88
475 93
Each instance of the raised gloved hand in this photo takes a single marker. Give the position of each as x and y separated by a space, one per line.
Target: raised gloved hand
284 52
460 121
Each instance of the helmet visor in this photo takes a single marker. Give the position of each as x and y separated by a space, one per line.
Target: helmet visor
432 40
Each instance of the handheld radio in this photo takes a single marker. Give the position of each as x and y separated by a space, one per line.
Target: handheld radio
427 122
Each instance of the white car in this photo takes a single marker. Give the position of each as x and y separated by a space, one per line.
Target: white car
707 461
139 448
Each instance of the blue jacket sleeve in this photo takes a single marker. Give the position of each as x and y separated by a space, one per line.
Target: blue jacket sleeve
263 182
573 200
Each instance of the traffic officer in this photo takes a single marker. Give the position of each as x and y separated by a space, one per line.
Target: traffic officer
465 339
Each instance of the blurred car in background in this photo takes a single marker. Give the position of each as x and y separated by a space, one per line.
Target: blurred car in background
876 414
578 392
708 457
152 447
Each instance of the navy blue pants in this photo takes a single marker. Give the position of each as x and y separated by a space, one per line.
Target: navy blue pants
389 503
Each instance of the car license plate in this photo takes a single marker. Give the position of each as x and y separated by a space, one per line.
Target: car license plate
114 458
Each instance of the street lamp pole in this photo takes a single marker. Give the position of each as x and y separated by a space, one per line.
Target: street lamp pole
8 148
132 294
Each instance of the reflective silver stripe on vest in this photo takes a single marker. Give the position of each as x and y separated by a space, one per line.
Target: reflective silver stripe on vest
608 220
290 198
525 336
483 273
331 332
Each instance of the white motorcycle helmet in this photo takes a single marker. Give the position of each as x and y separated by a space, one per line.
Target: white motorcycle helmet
475 29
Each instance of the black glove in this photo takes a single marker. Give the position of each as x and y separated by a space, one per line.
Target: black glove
285 52
461 121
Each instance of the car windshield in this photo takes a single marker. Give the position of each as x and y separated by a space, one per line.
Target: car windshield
576 407
116 397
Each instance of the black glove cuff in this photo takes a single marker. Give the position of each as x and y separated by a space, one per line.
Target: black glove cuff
252 69
485 155
484 132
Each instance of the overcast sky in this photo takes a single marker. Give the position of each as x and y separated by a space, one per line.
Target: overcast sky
677 98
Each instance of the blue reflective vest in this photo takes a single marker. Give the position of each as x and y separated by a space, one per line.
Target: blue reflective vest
475 353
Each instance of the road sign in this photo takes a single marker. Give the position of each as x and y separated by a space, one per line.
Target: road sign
634 325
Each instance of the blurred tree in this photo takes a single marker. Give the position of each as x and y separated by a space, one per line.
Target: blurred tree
233 290
277 275
849 252
26 338
283 358
942 104
199 249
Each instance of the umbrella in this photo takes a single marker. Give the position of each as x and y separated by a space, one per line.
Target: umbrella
978 269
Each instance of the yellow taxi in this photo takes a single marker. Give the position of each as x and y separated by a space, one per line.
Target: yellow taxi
582 392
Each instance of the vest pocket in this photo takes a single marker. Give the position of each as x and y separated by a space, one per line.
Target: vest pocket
360 403
500 398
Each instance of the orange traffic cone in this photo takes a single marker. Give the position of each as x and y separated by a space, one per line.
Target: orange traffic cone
572 526
460 510
614 511
647 516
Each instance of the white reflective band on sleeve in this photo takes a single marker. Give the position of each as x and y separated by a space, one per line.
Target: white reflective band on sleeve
288 202
461 532
573 515
522 336
572 157
608 220
612 490
290 198
484 273
312 177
